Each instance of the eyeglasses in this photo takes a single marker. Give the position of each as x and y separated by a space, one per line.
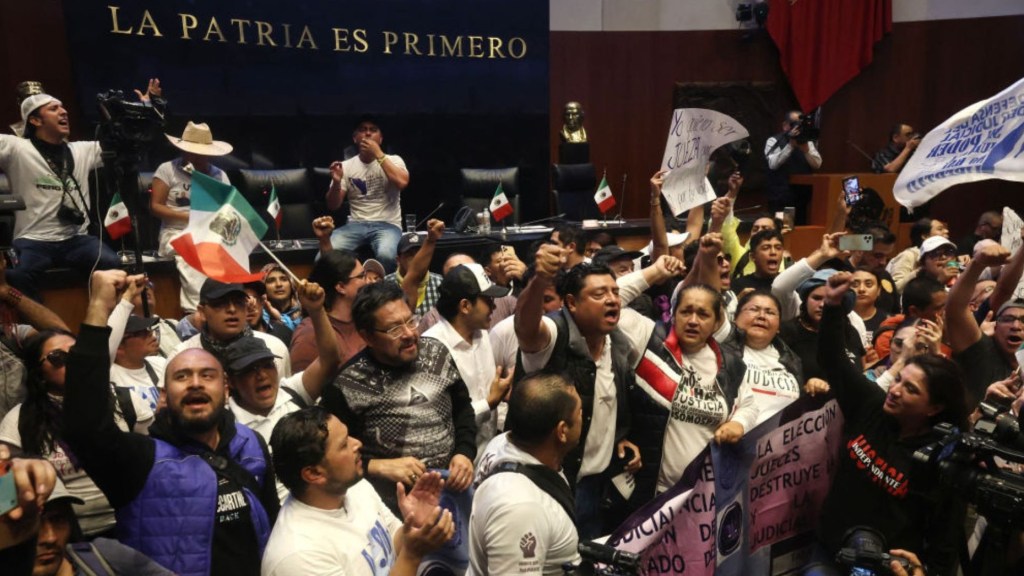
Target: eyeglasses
154 330
942 254
1010 319
397 331
360 276
720 259
758 310
57 358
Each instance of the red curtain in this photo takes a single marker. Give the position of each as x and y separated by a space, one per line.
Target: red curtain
823 44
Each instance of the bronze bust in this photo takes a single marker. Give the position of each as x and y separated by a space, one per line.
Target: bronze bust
573 130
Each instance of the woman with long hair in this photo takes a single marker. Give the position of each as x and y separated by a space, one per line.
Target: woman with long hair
35 426
281 303
876 485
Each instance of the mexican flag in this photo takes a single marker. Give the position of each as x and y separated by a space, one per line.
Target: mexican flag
500 207
117 222
274 207
222 231
604 198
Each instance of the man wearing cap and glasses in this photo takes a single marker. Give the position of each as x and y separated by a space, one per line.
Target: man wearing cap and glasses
372 182
137 364
171 197
259 396
223 308
404 397
986 359
51 176
465 307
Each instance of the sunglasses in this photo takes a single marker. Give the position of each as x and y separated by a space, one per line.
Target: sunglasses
897 341
57 358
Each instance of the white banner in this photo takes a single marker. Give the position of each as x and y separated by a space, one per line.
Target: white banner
983 141
693 135
1012 241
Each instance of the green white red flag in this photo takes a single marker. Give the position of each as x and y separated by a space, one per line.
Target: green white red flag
604 197
223 229
117 222
274 207
500 206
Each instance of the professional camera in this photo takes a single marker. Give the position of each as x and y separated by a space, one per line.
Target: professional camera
603 560
866 553
808 125
70 215
127 122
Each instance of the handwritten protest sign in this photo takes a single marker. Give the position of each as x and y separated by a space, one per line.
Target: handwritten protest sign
983 141
693 135
734 504
1012 241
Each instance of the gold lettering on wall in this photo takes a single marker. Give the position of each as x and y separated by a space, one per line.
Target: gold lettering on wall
214 28
495 48
517 48
451 49
390 38
115 26
359 35
188 23
287 35
476 46
306 37
263 30
147 22
241 23
411 41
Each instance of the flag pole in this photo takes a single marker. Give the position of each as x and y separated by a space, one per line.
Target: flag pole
279 263
604 215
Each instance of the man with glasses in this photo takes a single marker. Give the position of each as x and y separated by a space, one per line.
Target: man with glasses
137 365
404 397
985 359
222 307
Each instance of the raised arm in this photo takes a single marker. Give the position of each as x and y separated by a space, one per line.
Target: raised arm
33 313
323 369
531 332
785 284
419 267
659 235
395 172
336 192
1009 277
705 265
322 228
961 327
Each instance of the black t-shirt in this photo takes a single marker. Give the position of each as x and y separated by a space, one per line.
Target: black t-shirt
982 364
235 548
804 343
872 324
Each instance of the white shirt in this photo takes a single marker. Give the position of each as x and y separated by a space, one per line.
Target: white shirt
515 527
371 196
475 361
139 381
283 361
768 382
283 405
179 196
600 441
34 182
356 539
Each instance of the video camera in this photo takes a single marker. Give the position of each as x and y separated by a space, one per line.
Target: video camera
603 560
127 124
966 463
866 553
808 125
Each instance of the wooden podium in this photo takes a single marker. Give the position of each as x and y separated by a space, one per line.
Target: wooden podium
826 188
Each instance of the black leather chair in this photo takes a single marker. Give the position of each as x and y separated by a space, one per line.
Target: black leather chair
479 184
6 219
294 192
574 186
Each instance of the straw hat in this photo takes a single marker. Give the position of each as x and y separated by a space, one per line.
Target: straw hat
198 139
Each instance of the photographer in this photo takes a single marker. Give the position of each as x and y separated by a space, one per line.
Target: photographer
791 152
875 485
51 176
903 140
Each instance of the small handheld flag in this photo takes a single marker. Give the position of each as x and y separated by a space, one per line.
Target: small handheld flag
500 206
117 221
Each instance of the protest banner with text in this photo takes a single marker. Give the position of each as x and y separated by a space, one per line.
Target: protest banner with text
693 135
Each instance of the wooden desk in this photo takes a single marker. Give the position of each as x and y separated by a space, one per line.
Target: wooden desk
826 188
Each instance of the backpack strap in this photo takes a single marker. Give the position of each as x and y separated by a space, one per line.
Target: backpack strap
546 479
124 402
296 397
87 560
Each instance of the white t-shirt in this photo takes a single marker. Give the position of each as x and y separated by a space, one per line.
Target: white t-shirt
356 539
284 405
96 515
515 527
475 361
767 381
139 381
34 182
371 196
697 408
179 196
283 361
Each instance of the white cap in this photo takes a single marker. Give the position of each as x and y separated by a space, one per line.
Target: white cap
33 103
935 242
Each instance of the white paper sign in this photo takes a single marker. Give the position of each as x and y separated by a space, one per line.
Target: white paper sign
1012 241
983 141
693 135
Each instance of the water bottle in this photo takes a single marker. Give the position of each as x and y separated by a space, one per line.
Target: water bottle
487 222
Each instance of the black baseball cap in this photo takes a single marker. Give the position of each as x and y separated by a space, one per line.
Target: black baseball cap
469 281
139 323
244 352
214 290
613 252
409 241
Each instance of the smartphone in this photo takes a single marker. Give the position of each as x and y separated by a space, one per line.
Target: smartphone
862 242
8 492
789 217
508 250
851 189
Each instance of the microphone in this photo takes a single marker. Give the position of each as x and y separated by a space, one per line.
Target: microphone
862 152
427 217
604 554
555 217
